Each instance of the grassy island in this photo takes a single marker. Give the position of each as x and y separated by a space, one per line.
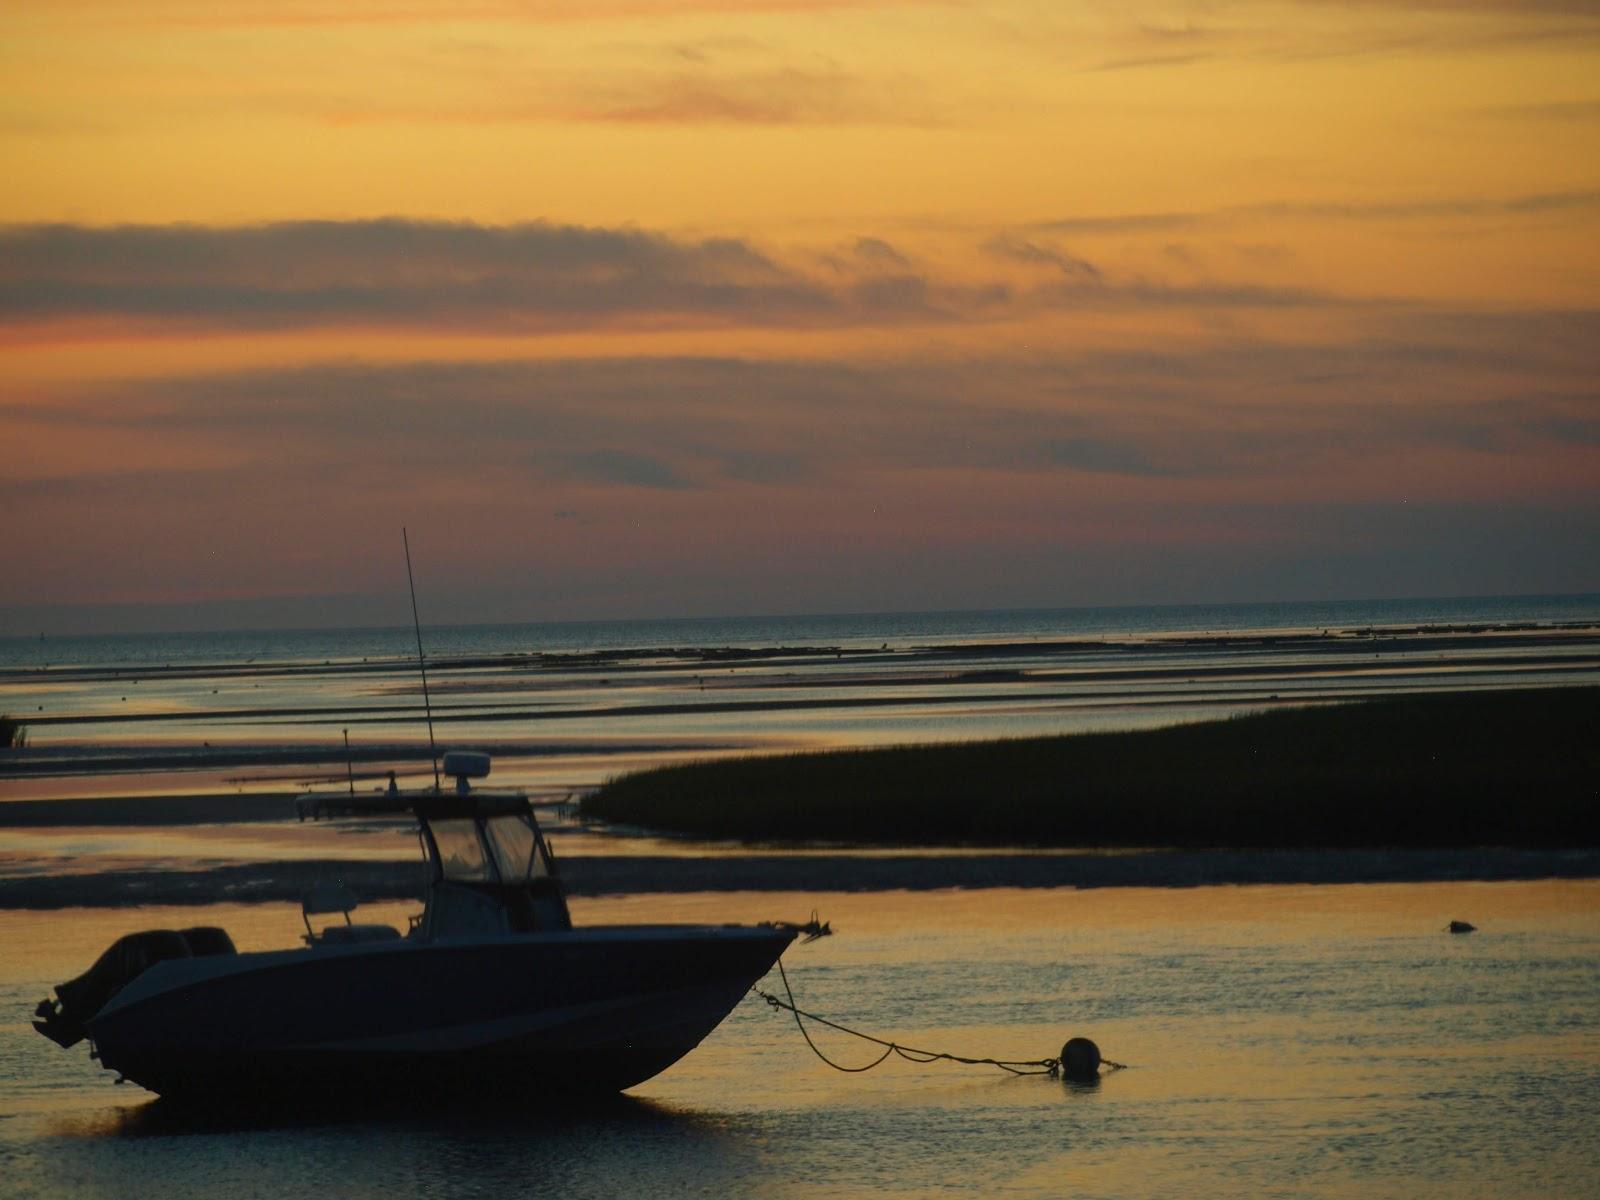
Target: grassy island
1505 768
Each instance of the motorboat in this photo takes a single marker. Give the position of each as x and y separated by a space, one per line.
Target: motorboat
491 991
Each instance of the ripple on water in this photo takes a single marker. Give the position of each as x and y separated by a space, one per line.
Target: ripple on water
1326 1042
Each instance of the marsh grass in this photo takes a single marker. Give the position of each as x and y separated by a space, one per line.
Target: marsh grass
1509 768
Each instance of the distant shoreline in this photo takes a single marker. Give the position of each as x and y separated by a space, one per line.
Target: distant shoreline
251 624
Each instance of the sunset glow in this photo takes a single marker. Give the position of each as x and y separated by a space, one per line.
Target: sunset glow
680 307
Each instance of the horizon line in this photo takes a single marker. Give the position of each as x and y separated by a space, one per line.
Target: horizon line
111 610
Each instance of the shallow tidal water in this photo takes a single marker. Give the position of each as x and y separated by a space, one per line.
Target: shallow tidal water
1282 1041
563 707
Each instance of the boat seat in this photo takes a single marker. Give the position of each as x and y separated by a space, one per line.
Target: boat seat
327 898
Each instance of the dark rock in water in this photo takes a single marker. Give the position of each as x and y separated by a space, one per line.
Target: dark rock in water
1462 927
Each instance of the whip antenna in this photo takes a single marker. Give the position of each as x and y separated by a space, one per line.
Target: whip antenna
422 661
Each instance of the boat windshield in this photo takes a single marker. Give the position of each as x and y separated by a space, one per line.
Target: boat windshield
504 849
517 849
461 855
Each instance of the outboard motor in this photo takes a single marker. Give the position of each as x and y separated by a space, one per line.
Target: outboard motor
64 1019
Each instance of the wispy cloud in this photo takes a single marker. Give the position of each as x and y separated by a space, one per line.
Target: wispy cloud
1471 8
204 14
703 92
530 278
879 253
783 96
1442 208
1040 253
698 480
1231 32
1153 60
1232 408
392 272
624 467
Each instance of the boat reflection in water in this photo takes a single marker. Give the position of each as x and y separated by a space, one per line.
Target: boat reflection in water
492 990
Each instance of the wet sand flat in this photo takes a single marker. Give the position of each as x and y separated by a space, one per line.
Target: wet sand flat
569 720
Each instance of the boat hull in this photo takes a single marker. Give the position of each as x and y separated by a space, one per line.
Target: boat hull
532 1016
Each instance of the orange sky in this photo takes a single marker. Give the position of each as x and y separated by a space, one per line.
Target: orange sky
695 307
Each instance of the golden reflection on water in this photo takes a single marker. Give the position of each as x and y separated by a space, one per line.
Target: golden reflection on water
81 849
43 943
1344 907
1294 1040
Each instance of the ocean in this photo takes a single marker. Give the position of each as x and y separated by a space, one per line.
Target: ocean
853 630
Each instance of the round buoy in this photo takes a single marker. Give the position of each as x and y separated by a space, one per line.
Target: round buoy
1080 1059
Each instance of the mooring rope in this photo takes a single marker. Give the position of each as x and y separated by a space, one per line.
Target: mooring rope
1016 1066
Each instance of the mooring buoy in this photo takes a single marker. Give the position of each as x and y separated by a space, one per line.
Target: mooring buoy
1080 1059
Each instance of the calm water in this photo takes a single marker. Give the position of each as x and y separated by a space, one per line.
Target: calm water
1284 1041
834 629
1319 1042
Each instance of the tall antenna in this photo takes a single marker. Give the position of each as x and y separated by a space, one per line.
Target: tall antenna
422 661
